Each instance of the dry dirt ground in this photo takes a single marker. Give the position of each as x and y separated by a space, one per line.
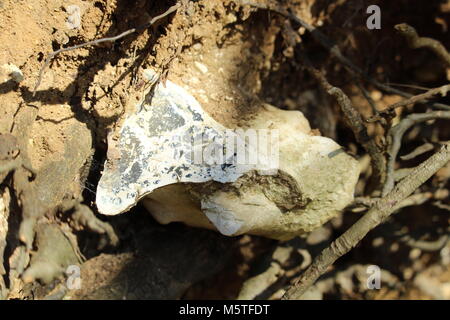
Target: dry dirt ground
226 56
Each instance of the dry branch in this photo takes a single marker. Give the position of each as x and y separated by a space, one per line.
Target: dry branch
411 101
418 151
424 245
380 211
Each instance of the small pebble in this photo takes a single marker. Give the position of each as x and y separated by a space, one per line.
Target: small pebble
201 67
376 95
230 18
12 71
61 37
415 253
394 247
377 242
408 273
197 46
74 19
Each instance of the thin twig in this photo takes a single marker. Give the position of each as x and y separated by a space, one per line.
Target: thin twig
424 148
381 210
98 41
394 139
413 200
440 205
425 245
411 86
415 42
411 101
368 98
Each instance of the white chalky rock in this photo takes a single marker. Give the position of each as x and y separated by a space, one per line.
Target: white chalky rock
10 71
281 184
74 18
